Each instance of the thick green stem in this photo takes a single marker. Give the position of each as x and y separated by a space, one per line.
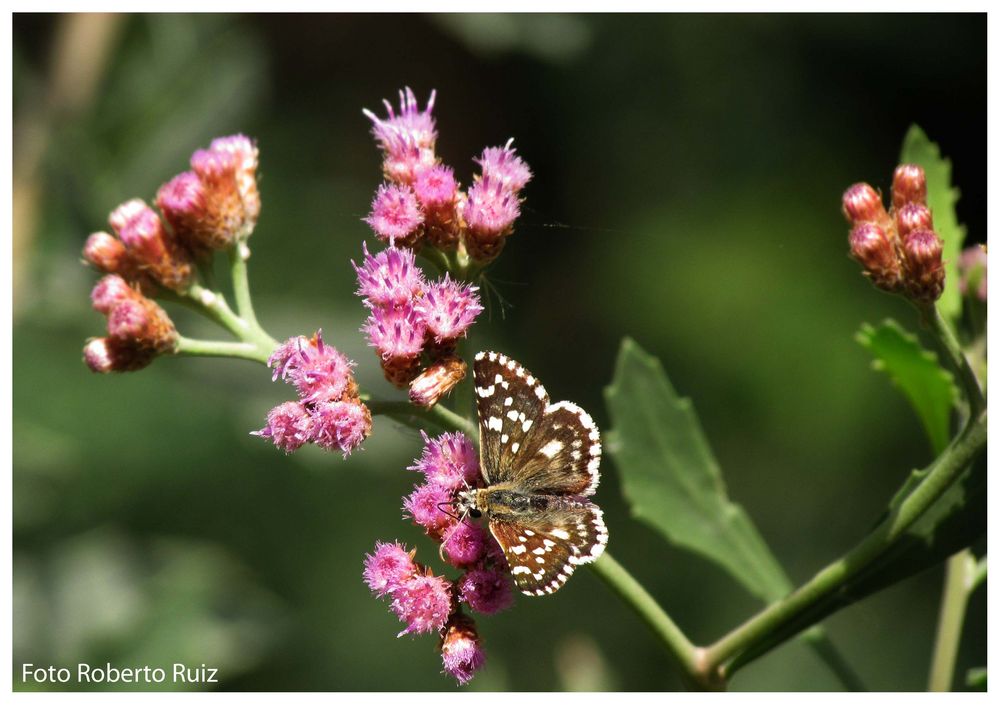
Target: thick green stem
941 474
958 585
955 358
222 348
642 603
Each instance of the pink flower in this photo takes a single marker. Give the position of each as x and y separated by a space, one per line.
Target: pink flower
390 278
395 213
423 603
491 209
396 332
407 139
502 164
288 426
435 187
450 461
388 567
448 308
110 291
461 650
340 425
318 371
464 544
285 355
425 507
486 591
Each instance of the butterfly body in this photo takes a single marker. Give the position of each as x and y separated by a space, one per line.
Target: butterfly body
540 464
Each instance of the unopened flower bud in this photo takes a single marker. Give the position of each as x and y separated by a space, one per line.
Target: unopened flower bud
436 381
909 185
143 322
106 252
149 245
461 650
105 355
924 270
109 292
913 216
871 247
437 193
863 204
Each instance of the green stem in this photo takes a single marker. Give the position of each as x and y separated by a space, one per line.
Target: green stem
955 357
945 470
958 585
222 348
642 603
238 255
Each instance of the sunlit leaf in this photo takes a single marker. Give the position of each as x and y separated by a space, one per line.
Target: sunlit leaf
672 481
916 372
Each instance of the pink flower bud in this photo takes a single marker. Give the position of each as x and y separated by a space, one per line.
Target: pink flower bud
486 590
246 154
110 291
423 603
107 253
464 544
143 322
924 270
862 204
396 217
871 247
461 650
913 216
388 567
288 426
909 185
149 245
105 355
436 381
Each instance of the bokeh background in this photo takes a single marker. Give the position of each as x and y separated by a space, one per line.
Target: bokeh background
688 176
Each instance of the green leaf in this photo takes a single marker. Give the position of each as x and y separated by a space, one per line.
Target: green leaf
975 678
941 199
671 480
915 371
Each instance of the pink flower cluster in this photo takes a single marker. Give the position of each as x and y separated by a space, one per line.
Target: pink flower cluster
329 412
898 249
972 270
422 202
412 319
138 329
428 603
210 207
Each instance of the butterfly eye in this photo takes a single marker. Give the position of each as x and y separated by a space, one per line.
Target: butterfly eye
475 513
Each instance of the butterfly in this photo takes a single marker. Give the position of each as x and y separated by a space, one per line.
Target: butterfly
540 464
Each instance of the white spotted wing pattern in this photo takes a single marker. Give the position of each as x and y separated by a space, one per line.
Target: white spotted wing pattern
540 462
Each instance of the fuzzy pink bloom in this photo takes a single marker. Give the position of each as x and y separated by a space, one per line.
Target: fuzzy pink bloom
423 603
464 544
435 187
106 252
285 355
183 203
407 138
390 278
448 308
424 505
388 567
340 425
486 591
110 291
288 426
461 650
395 213
503 165
128 320
491 209
449 460
396 332
319 371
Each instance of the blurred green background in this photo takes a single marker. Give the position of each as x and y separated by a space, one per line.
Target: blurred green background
688 177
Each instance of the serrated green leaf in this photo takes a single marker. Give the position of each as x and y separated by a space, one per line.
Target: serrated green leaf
671 480
915 371
941 199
